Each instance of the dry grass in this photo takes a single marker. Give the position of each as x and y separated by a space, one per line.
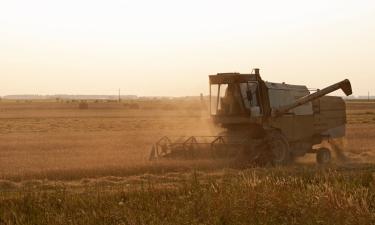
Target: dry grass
262 196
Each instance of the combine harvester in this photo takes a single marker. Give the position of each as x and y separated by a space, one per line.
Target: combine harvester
265 122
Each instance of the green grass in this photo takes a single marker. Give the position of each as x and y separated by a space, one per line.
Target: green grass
255 196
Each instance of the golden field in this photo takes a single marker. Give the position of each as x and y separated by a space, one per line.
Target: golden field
43 136
37 137
63 165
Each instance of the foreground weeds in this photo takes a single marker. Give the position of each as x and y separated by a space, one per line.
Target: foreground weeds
256 196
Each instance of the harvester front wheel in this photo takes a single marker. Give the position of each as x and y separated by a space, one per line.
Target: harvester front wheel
279 148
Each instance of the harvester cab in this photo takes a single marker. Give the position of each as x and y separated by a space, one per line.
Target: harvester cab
237 97
265 122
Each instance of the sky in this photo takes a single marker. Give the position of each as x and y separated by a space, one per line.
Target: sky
168 48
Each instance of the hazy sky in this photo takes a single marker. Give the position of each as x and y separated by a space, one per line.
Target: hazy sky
166 47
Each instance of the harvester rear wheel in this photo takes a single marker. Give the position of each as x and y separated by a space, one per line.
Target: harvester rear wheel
323 156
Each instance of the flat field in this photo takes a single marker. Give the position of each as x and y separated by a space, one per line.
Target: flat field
63 165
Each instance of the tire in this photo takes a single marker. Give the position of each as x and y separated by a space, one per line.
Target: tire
279 150
272 149
323 156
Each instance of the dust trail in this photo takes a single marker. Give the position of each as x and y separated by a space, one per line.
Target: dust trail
347 152
339 147
202 125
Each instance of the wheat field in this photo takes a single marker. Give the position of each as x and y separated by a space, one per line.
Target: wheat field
63 165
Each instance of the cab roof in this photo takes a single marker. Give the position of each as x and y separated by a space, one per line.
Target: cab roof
230 78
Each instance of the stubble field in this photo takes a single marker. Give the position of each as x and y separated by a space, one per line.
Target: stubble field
63 165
